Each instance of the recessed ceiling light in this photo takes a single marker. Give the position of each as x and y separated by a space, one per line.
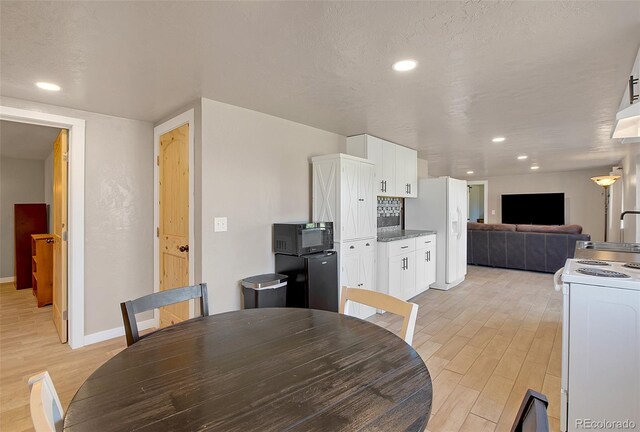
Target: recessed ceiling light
498 139
404 65
48 86
522 157
535 167
469 172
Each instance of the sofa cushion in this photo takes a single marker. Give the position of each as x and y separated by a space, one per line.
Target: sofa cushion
490 227
555 229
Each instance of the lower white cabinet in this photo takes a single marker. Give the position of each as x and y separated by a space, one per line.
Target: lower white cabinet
406 267
357 270
425 263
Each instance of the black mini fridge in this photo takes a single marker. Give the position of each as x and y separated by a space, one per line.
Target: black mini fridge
312 280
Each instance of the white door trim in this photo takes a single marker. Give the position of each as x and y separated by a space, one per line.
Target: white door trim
75 211
179 120
485 183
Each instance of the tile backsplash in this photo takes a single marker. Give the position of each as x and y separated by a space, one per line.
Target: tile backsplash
390 213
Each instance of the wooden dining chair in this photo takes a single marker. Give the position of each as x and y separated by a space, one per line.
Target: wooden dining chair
46 410
409 311
157 300
532 415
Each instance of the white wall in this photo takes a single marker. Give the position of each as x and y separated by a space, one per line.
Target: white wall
118 211
21 182
255 170
631 199
584 200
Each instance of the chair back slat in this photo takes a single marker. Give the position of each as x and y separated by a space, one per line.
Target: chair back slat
157 300
532 415
409 311
46 410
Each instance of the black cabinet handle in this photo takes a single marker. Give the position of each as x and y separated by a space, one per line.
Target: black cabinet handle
352 247
183 248
367 244
404 247
360 199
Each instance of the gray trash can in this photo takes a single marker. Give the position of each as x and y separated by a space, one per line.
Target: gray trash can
264 291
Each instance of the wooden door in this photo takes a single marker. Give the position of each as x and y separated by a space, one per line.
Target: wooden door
60 175
173 227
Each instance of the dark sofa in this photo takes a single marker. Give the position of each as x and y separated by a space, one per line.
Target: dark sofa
525 247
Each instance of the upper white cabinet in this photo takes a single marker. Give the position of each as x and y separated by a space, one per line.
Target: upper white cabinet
396 166
343 193
406 172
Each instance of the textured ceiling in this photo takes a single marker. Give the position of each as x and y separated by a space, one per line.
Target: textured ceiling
26 141
548 76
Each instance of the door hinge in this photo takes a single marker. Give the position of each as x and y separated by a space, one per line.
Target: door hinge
64 236
158 160
65 156
158 232
65 315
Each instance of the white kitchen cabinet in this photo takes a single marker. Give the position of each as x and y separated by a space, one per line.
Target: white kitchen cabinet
343 193
357 270
396 166
406 172
425 262
403 270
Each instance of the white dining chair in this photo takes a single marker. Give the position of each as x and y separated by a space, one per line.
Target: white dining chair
385 302
46 410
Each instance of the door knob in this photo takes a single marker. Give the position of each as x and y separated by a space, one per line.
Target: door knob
184 248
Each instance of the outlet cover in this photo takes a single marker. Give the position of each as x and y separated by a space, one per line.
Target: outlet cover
220 224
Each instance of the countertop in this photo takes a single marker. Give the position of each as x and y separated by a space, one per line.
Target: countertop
401 235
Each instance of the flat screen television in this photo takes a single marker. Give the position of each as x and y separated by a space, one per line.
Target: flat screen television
536 209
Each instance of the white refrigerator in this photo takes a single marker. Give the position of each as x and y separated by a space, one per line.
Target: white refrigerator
441 206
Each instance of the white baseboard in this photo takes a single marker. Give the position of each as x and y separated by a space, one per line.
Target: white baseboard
7 279
115 332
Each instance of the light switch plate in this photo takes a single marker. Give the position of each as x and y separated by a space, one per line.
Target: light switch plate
220 224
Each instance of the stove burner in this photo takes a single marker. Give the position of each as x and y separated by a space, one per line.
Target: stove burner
594 262
601 273
635 266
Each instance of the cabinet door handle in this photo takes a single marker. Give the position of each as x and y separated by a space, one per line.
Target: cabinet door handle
381 185
352 247
409 188
404 247
407 265
367 244
360 199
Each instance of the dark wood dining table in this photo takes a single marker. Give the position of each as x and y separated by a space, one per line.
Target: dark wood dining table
259 369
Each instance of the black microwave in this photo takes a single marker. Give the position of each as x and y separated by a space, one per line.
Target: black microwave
302 238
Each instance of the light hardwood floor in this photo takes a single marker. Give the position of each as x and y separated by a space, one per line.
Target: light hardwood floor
29 344
485 343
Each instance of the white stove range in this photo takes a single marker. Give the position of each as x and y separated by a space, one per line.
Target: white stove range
600 345
605 273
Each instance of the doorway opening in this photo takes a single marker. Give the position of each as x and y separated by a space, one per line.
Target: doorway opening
33 201
478 201
65 223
